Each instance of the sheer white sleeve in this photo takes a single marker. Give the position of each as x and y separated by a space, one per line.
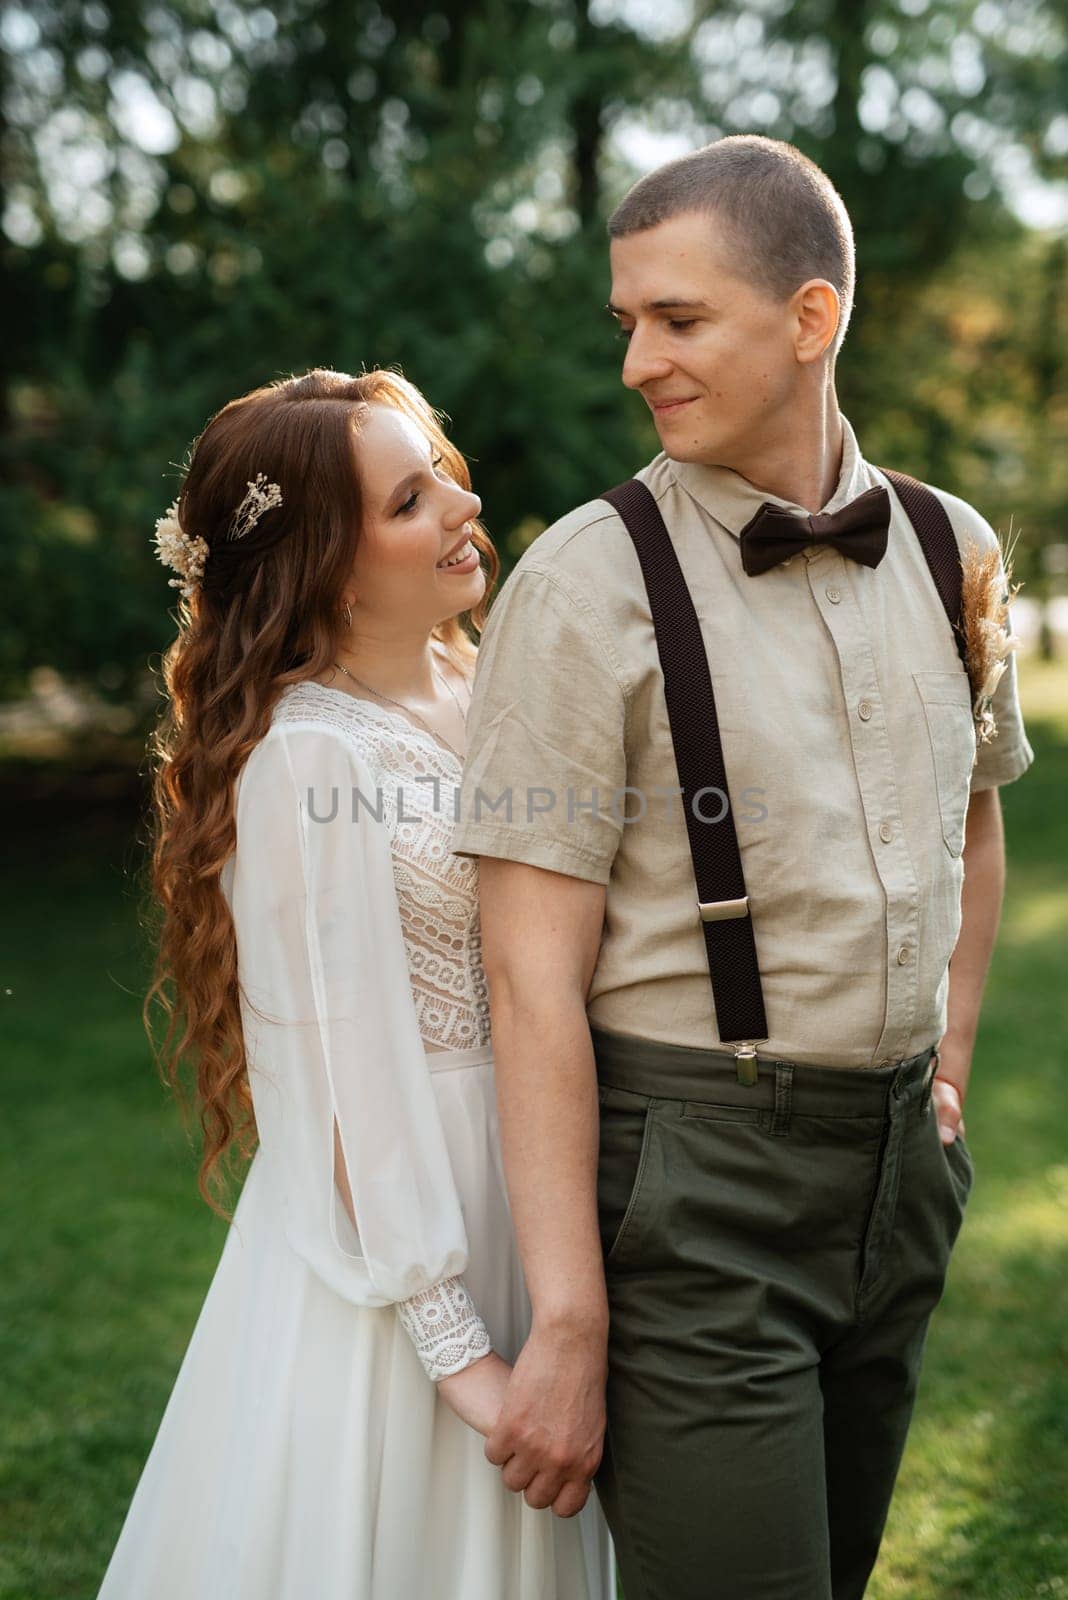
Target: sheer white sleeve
332 1041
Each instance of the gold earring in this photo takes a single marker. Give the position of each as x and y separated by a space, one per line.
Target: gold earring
348 616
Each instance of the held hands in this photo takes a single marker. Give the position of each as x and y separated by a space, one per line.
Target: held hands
549 1435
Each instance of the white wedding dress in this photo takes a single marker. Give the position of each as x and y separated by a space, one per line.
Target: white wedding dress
305 1453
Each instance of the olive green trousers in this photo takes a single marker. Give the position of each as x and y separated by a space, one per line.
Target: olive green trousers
773 1254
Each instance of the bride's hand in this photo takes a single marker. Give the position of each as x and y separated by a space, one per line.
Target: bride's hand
477 1393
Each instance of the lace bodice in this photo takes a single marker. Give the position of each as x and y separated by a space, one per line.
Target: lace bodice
416 795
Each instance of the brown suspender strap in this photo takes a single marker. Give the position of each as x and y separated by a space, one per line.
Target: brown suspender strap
723 905
691 707
939 544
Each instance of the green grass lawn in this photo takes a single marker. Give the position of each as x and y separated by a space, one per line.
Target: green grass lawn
981 1510
108 1250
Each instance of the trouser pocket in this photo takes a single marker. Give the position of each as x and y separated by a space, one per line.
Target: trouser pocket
961 1168
626 1134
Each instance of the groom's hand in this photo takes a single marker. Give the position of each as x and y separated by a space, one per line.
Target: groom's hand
550 1432
949 1086
541 932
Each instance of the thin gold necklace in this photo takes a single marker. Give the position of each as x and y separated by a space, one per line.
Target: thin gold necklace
433 732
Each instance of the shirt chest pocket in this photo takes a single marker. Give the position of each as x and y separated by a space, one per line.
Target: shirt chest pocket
947 709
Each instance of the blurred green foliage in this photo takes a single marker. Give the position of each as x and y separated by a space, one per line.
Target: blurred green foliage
204 194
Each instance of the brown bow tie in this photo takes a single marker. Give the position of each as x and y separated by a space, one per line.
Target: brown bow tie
859 531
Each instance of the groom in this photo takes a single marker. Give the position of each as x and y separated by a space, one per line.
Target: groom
734 1154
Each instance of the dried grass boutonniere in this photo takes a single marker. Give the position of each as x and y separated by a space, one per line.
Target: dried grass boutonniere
986 590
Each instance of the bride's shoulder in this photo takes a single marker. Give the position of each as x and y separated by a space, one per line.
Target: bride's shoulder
384 741
311 707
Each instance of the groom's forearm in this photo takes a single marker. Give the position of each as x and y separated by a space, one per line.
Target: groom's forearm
547 1102
984 887
541 933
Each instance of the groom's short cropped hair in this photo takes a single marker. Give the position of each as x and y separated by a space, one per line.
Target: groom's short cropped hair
786 221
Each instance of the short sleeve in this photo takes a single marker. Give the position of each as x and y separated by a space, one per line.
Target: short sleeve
545 774
330 1029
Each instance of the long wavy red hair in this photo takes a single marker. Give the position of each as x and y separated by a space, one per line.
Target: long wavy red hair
266 614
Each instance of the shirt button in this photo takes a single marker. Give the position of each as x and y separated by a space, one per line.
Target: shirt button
886 832
864 710
834 595
903 955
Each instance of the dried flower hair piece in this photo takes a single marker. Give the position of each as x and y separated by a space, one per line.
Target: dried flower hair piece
176 549
186 555
986 590
260 496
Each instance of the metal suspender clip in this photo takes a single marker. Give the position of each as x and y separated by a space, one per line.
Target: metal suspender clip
722 910
745 1057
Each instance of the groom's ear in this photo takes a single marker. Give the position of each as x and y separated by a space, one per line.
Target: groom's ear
817 312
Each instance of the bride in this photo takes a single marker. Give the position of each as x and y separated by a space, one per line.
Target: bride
319 966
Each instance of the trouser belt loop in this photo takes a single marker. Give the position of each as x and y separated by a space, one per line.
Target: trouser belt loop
784 1093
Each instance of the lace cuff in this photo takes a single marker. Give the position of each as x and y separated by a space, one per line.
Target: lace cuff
446 1330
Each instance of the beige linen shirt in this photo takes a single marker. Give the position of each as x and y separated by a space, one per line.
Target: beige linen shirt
848 741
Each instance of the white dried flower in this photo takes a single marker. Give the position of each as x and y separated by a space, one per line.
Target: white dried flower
993 678
260 496
176 549
986 589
